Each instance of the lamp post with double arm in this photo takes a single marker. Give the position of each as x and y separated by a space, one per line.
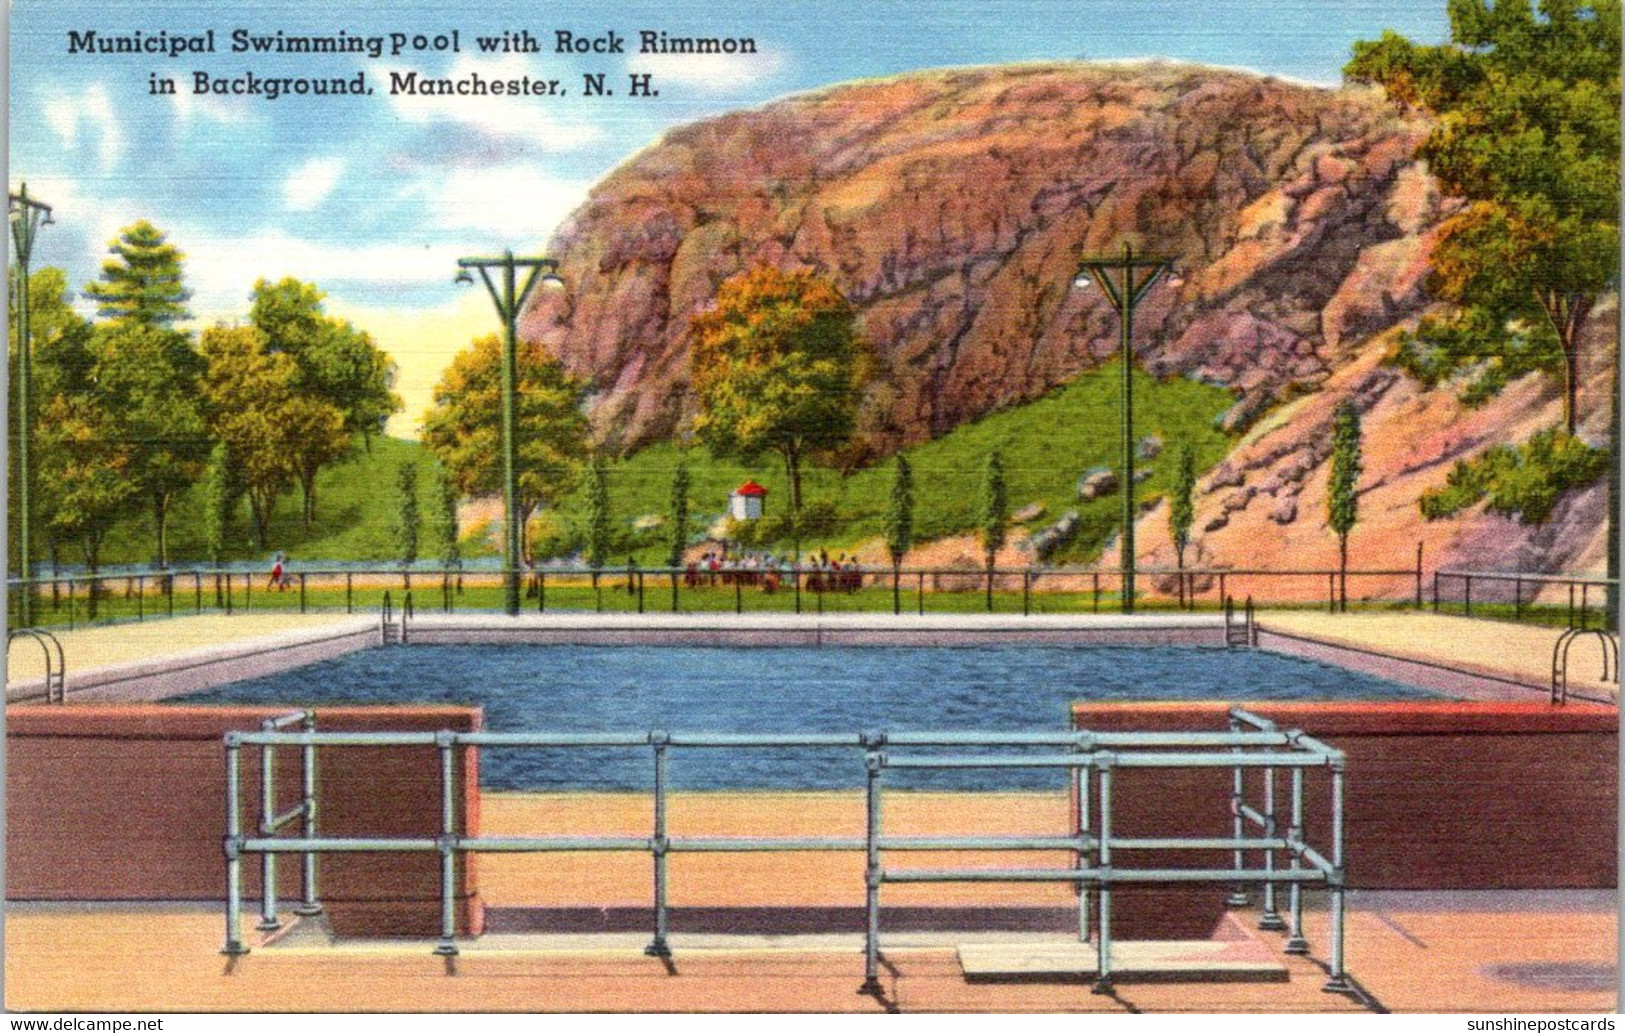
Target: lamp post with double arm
509 297
1125 278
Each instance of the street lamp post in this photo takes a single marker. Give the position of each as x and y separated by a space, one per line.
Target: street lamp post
509 298
1125 278
27 216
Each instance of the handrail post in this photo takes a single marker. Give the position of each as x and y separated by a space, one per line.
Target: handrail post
874 761
1238 893
268 920
1271 918
447 947
1295 942
1081 783
311 905
1339 982
1103 968
234 945
659 845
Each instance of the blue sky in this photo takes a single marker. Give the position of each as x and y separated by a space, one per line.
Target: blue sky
373 198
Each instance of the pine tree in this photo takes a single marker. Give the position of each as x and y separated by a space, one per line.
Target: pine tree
142 282
1342 495
1181 510
899 525
995 516
408 520
677 518
597 515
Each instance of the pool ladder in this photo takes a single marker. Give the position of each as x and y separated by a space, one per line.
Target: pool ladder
391 631
1243 632
56 668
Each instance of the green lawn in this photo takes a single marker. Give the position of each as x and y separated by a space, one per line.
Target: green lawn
355 517
1045 445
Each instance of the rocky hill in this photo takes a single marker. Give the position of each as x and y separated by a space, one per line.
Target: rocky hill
951 206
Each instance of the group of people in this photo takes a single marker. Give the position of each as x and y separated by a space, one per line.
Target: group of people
769 572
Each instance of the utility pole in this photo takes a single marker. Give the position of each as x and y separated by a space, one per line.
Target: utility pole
1125 279
27 216
509 298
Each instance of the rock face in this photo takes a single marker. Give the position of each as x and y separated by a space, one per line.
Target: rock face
952 206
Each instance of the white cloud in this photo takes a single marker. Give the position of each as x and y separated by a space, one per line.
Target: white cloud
517 116
309 185
89 112
710 73
516 203
209 108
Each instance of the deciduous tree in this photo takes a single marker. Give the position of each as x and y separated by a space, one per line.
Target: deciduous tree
778 366
464 428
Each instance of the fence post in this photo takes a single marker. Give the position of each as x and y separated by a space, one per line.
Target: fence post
674 590
248 591
871 875
1468 593
234 843
447 947
1517 598
739 595
640 591
228 594
541 591
1295 942
1097 591
658 845
1338 983
919 596
70 605
169 592
197 587
268 920
1418 575
1103 978
141 598
896 591
1026 593
795 576
1435 591
1585 591
312 904
1331 593
301 592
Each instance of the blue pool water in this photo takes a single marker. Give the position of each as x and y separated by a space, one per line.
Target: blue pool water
691 689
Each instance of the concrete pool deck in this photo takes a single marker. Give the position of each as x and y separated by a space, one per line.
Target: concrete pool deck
1517 952
1460 656
1513 951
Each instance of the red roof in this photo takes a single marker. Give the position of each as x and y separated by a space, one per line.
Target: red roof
751 488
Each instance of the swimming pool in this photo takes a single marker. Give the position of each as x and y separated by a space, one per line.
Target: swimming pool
698 689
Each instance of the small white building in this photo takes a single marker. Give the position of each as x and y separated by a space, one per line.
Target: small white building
746 501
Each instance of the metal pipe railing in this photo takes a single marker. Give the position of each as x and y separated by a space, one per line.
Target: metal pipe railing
1094 763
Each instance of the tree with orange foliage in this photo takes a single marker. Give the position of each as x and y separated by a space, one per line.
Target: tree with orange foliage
778 365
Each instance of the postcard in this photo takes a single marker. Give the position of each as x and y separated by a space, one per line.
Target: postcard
967 507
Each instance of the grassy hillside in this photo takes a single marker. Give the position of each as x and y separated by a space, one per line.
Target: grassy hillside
355 516
1046 446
